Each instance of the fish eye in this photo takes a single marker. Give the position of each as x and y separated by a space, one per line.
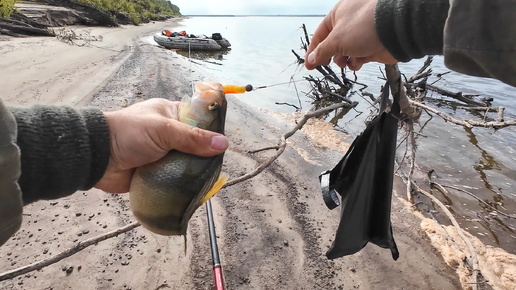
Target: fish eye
213 106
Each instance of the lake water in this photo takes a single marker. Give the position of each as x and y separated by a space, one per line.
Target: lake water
481 161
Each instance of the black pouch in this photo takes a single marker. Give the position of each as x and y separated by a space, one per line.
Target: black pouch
363 179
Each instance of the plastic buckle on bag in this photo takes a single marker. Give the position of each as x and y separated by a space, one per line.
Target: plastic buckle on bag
330 196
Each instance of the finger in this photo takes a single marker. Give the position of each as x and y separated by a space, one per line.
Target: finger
193 140
320 34
341 60
355 63
324 52
116 181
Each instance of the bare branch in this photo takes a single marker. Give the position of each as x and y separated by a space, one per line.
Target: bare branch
459 96
283 143
287 104
465 123
442 115
477 198
67 253
394 77
472 253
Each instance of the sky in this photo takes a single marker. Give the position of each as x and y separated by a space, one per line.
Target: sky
254 7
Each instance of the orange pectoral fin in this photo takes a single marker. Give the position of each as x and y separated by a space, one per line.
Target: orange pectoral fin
223 178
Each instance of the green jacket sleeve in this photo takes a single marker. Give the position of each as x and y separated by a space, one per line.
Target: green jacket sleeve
476 37
480 38
47 152
10 195
62 150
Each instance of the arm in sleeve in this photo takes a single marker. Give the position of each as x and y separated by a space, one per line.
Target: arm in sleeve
10 195
480 38
476 37
62 150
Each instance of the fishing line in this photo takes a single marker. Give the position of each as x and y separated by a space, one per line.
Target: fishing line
284 83
191 72
278 84
217 266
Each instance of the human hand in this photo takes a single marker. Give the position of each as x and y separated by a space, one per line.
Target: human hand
144 133
348 34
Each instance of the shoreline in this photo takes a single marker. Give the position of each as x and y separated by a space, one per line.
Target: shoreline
58 73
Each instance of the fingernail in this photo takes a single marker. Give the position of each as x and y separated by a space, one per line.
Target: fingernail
311 57
219 142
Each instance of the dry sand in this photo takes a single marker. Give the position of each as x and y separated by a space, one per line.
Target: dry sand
273 229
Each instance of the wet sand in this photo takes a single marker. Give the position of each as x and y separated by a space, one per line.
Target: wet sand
273 229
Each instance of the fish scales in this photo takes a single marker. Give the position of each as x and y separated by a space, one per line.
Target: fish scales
165 194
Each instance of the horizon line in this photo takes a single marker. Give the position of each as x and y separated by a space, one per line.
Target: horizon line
254 15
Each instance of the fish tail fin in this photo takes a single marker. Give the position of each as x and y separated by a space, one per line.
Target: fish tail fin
223 178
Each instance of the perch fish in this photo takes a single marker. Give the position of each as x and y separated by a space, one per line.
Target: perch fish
165 194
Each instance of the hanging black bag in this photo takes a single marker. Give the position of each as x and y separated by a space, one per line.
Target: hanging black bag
363 179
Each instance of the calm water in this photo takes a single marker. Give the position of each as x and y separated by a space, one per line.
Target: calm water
481 161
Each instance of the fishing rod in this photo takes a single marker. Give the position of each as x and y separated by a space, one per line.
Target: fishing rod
217 267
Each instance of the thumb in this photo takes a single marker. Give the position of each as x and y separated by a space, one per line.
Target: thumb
193 140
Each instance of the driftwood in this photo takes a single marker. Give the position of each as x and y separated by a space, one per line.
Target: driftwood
456 95
396 84
473 259
415 97
67 253
465 123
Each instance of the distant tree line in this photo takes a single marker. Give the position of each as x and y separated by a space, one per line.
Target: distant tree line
138 10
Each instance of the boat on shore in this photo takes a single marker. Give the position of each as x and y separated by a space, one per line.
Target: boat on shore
183 41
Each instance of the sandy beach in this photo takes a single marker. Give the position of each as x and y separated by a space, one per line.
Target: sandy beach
273 230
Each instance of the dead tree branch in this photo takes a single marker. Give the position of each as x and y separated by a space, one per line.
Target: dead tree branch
472 253
475 197
473 259
459 96
465 123
395 83
67 253
499 110
283 143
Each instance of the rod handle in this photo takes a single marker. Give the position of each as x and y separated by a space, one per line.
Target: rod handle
217 275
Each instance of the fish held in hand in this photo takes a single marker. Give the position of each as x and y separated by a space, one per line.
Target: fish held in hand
165 194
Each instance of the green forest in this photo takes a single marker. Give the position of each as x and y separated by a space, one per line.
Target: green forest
138 10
